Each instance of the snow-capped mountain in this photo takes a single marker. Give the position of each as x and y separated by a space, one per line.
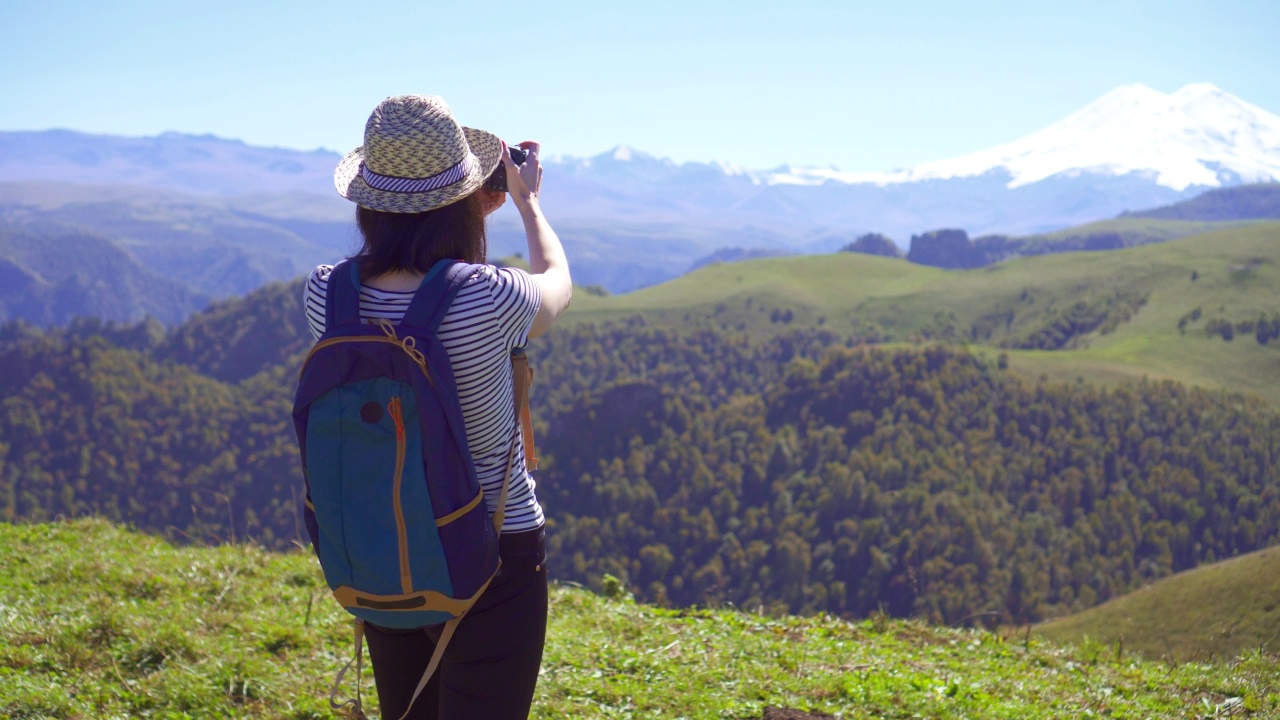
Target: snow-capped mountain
631 219
1198 136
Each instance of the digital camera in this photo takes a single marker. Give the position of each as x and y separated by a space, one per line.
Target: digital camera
497 181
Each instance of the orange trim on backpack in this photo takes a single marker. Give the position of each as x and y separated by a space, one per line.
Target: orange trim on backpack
402 535
349 597
441 522
406 345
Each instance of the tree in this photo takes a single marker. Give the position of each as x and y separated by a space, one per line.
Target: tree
874 244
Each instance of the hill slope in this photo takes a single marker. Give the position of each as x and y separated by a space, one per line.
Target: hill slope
1212 611
1121 232
106 623
1103 316
209 247
51 277
1245 202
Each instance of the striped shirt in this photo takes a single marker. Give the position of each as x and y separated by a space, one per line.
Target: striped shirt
491 314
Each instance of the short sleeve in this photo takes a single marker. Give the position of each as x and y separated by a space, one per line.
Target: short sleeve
516 299
314 292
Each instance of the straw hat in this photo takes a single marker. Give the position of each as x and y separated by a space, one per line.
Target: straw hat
416 157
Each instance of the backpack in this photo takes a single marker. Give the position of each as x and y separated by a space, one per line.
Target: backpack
393 505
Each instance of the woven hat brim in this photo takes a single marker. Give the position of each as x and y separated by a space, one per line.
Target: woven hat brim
347 179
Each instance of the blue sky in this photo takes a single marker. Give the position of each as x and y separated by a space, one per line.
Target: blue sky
864 86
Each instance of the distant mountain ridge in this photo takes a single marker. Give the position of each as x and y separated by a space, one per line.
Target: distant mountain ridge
1132 148
630 219
198 164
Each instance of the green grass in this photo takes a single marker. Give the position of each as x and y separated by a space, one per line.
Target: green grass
99 622
848 291
1213 611
1133 231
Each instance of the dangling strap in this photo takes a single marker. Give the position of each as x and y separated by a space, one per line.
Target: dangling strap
357 706
447 634
521 379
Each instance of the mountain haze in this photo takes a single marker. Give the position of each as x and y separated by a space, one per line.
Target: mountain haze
199 164
630 219
123 252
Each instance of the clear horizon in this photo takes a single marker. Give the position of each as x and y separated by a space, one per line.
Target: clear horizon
749 84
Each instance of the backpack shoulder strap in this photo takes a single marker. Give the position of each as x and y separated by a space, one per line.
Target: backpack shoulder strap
435 294
521 379
342 300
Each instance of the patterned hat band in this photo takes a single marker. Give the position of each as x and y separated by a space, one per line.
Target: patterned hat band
391 183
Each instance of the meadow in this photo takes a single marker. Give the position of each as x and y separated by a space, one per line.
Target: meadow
1213 612
102 622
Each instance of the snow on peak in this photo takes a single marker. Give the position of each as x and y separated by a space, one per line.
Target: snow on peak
1200 89
1188 137
1199 135
626 153
731 169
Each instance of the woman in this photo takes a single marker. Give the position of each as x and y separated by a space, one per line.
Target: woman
417 182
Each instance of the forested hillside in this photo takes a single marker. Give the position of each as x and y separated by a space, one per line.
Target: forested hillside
797 472
49 278
124 253
923 480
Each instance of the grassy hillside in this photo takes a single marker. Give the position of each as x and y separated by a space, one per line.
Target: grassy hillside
1121 232
1236 277
100 622
1232 203
1213 611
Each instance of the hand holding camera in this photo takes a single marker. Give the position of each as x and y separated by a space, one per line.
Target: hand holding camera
520 172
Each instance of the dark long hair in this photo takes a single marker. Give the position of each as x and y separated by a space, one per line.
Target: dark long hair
415 241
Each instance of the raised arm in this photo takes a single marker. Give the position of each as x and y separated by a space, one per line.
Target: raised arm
549 267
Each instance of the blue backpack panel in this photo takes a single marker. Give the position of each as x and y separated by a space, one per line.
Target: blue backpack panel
394 509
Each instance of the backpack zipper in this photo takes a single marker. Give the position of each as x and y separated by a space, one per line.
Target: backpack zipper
406 578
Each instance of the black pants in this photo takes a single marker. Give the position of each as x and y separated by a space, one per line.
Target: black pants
491 664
